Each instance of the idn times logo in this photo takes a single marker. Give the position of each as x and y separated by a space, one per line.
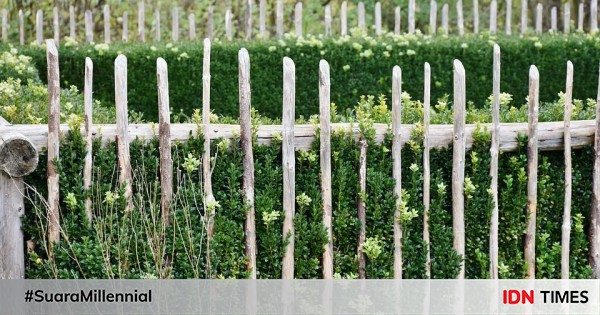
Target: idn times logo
547 296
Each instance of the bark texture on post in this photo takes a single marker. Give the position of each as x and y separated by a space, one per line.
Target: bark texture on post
325 159
494 152
594 229
125 177
289 167
362 208
164 138
248 159
87 108
458 164
426 172
566 225
397 166
53 145
532 165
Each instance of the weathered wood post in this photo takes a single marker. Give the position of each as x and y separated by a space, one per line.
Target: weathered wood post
4 25
89 27
175 24
508 21
378 18
289 166
475 16
192 26
566 225
87 109
523 17
397 20
433 17
228 32
72 23
157 25
124 162
532 165
362 208
55 25
298 18
426 172
107 24
458 164
53 145
580 15
397 166
125 34
248 159
21 28
493 16
593 16
459 18
164 138
554 19
325 161
567 18
411 16
279 18
594 229
262 19
249 20
445 18
209 23
141 22
39 24
362 25
538 18
343 19
18 157
327 20
494 152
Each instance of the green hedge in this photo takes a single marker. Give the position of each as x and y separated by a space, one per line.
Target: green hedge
359 66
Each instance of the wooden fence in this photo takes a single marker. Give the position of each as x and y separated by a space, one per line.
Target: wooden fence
246 28
542 136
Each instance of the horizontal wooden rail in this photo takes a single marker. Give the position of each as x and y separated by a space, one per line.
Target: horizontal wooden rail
550 133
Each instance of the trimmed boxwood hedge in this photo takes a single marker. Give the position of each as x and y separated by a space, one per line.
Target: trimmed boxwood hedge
359 66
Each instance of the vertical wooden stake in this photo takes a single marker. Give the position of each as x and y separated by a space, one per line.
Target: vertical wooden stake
459 18
107 24
72 23
411 16
593 16
378 18
325 158
343 19
209 23
580 16
494 151
164 138
361 18
538 18
4 25
493 16
53 145
476 16
566 225
55 24
89 31
289 167
157 25
362 211
192 26
523 17
553 19
87 166
263 19
175 24
39 24
594 229
249 20
327 20
206 165
567 18
125 35
397 166
125 178
426 172
397 20
248 159
532 164
433 17
508 21
21 28
141 22
228 32
298 18
445 18
279 18
458 164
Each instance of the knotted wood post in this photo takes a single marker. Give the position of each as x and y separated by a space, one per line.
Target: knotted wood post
325 159
458 164
532 165
164 138
125 177
397 166
53 145
18 157
494 151
566 225
289 166
248 159
508 21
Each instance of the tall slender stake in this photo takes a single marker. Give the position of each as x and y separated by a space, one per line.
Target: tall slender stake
192 26
327 20
89 26
141 22
426 172
343 19
175 24
459 18
411 16
433 17
4 25
53 145
538 18
289 168
566 225
445 18
164 138
532 165
508 21
493 16
476 16
72 23
397 20
125 178
87 167
298 18
228 32
494 151
378 18
567 18
397 166
593 16
458 164
209 23
594 229
523 17
56 25
107 24
362 25
554 19
262 19
249 20
279 18
248 159
125 34
21 28
580 16
325 158
362 208
39 24
157 25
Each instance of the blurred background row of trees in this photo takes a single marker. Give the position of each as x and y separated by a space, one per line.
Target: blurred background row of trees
313 14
